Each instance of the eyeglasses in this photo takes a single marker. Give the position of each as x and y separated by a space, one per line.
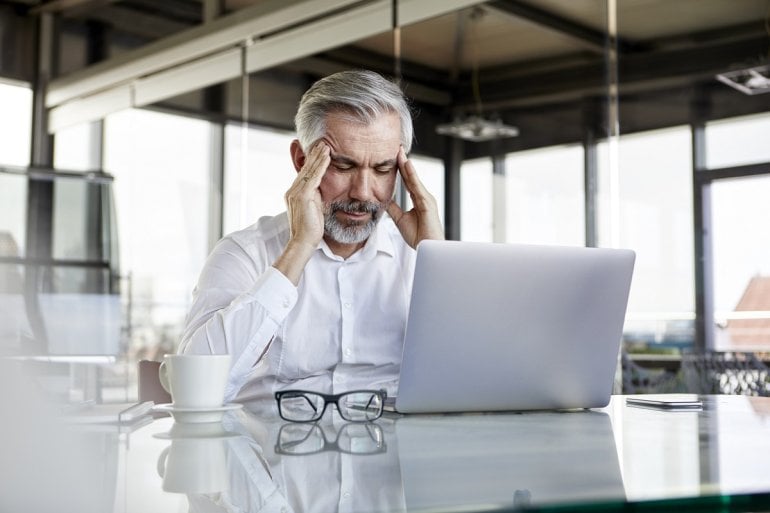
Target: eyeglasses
354 406
303 439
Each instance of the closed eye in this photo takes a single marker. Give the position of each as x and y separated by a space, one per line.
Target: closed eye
342 163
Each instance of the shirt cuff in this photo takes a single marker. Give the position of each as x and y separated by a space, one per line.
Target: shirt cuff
275 292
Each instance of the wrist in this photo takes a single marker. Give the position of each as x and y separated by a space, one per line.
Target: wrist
294 258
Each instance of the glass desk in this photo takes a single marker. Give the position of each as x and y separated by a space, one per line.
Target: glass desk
614 459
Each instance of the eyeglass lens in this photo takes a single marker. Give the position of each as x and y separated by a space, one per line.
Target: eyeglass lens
301 406
360 406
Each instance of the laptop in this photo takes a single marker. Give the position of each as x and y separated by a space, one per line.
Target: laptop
499 327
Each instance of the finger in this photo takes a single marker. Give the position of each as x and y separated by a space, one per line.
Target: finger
409 175
314 168
315 165
421 197
394 211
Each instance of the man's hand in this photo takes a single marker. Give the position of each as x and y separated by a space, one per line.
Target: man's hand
306 213
422 221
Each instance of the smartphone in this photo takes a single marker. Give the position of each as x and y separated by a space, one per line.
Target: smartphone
674 403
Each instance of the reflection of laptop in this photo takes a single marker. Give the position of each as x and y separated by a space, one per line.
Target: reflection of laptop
471 462
512 327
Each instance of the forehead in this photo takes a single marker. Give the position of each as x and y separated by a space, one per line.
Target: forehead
345 132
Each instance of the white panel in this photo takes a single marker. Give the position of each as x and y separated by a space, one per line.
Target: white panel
177 64
91 108
188 77
319 36
412 11
265 17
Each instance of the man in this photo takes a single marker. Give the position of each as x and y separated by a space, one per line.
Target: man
316 298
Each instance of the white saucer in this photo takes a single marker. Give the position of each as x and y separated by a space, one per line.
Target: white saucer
196 415
207 430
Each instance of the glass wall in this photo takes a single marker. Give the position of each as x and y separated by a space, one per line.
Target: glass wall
544 196
476 203
161 167
73 149
15 124
15 130
655 220
740 216
258 172
738 141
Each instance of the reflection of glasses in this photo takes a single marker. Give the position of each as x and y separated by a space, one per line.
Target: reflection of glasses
301 439
354 406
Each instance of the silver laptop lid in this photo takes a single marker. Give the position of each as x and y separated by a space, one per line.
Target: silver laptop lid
513 327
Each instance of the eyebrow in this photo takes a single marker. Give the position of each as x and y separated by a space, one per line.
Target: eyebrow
342 159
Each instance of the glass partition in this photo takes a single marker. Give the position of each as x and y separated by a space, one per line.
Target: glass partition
655 198
67 304
16 124
545 196
258 172
161 168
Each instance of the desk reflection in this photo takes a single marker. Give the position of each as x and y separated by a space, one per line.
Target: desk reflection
414 463
277 466
499 460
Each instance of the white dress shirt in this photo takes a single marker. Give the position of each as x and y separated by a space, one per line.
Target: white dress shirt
340 329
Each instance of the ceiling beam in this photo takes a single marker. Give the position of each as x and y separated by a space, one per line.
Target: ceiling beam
61 6
506 87
136 23
592 39
265 17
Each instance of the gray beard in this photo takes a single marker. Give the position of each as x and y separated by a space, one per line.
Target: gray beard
355 232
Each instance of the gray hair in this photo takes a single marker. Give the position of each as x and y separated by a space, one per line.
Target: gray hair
362 94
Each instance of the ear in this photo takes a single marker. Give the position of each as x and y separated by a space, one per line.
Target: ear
297 155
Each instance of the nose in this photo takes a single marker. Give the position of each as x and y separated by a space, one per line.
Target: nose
361 186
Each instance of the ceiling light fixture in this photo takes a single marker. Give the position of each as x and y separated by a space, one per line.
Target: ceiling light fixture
749 81
475 127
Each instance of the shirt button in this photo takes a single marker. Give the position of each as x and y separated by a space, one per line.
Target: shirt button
346 495
348 305
348 352
286 303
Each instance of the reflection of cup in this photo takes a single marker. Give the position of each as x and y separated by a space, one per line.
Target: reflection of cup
195 381
196 460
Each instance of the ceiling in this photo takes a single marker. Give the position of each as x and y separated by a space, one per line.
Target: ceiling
521 58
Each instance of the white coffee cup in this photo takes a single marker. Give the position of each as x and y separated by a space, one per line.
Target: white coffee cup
194 380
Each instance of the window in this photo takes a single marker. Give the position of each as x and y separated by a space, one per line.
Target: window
15 132
740 242
476 188
655 220
544 196
161 167
15 124
738 141
258 172
72 148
